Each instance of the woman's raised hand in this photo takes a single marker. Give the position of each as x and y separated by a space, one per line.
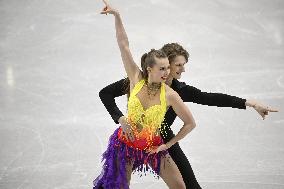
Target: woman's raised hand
108 9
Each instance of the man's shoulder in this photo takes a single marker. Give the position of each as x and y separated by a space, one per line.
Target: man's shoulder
179 84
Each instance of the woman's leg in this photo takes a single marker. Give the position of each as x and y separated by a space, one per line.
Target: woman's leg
170 174
129 166
117 166
184 167
128 169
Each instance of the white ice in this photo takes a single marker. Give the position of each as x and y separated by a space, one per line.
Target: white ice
55 56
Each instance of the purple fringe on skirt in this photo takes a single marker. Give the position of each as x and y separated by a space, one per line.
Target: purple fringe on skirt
114 175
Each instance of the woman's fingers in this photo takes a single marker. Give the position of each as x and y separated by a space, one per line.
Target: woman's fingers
148 150
105 10
125 135
105 2
153 150
130 136
128 132
108 9
156 149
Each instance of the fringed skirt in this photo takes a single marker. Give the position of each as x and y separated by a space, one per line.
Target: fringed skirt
118 154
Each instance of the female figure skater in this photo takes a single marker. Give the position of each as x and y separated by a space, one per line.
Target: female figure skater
178 57
149 99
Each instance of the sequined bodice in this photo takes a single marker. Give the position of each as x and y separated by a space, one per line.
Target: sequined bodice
146 123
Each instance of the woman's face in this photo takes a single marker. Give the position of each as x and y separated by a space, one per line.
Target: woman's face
160 71
177 67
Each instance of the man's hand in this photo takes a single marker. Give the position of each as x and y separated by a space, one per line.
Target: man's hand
261 109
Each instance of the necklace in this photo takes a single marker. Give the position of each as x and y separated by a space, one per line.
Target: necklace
152 88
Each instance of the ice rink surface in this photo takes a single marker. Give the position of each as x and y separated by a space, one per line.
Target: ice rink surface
55 56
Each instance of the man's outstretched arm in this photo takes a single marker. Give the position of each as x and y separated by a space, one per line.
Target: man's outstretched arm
192 94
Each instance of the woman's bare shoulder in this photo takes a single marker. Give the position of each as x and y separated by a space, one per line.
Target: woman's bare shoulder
171 95
169 90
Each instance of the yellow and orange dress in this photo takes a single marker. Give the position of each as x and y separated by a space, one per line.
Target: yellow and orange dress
146 125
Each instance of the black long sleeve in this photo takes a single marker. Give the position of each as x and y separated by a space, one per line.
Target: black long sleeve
107 96
192 94
186 92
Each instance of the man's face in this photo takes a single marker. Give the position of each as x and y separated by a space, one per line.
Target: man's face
177 66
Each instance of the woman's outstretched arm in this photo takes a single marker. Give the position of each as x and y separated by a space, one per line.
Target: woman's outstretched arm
131 68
